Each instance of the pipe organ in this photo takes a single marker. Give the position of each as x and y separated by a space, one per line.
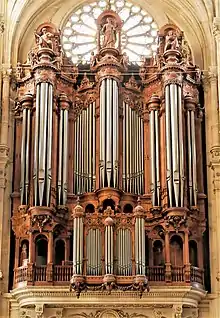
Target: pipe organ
107 166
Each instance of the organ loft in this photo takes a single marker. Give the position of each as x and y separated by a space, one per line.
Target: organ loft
108 191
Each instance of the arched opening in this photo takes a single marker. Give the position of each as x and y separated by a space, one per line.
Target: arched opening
24 253
108 202
193 253
41 250
128 208
90 208
176 251
59 252
158 255
147 250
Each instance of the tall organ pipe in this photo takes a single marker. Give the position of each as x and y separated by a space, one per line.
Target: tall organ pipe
84 172
43 144
108 131
26 103
174 144
78 214
192 173
132 150
154 146
63 149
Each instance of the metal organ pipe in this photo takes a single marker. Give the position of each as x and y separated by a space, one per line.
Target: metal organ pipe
108 246
109 133
133 162
26 102
63 149
192 173
43 144
153 105
78 240
84 172
174 144
123 244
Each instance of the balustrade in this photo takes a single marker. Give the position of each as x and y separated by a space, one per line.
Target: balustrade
63 273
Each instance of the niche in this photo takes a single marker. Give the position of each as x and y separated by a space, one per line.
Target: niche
24 253
108 202
128 208
158 254
176 251
59 252
41 250
90 208
193 253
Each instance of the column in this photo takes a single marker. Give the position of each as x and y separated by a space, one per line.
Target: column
186 256
167 257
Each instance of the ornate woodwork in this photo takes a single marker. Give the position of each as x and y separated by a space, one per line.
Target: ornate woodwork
110 163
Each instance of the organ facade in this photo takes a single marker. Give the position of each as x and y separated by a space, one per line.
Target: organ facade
108 192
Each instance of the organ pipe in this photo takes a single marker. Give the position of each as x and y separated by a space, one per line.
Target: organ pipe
154 147
109 133
43 144
174 144
132 150
192 173
109 246
25 148
78 240
123 247
84 155
94 256
140 246
63 150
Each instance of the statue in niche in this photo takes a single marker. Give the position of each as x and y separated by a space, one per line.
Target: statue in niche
23 255
171 41
109 31
44 40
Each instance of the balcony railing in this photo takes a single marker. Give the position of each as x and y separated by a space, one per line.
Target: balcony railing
62 274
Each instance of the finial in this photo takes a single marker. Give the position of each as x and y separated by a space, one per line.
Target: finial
108 6
139 200
78 199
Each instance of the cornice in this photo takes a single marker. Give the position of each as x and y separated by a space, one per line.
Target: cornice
158 295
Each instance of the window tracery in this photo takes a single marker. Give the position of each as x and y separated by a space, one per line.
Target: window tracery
138 38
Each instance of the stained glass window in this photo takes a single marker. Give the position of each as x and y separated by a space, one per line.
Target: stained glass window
139 31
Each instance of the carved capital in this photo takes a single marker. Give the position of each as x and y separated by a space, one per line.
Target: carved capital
39 309
177 311
216 28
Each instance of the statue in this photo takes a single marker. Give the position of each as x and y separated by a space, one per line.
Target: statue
171 41
32 57
44 40
23 255
109 31
19 71
93 59
125 60
186 52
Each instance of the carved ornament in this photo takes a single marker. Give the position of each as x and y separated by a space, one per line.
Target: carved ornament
41 220
176 221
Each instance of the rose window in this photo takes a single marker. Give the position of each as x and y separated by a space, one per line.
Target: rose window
139 31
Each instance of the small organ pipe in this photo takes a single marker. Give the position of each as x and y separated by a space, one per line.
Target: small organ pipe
23 146
153 153
60 157
27 161
157 157
194 157
189 157
65 156
93 145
